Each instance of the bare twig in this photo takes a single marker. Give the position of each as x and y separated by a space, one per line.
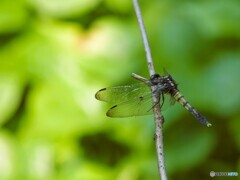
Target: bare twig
144 38
140 78
157 110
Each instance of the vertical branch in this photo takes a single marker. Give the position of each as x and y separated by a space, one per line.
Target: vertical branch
157 110
144 37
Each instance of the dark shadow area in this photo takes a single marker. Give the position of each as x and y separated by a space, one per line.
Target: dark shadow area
101 148
12 124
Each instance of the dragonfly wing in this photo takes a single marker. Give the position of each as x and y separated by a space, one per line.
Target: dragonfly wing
172 100
137 107
120 94
169 101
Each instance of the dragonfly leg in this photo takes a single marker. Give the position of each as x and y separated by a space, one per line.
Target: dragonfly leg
162 100
158 102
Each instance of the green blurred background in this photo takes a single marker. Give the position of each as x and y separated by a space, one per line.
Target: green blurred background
54 56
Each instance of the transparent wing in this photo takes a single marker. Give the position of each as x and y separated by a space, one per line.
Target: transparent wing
120 94
137 107
172 101
169 101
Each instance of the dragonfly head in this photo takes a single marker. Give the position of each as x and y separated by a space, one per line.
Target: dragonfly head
155 79
170 85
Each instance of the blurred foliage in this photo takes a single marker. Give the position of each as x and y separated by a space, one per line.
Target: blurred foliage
54 55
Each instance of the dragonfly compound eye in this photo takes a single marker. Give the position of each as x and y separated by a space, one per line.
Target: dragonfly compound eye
155 79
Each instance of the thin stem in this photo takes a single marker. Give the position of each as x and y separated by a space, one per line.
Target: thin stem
140 78
159 119
144 38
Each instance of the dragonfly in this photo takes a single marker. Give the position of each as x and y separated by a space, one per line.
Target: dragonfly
136 99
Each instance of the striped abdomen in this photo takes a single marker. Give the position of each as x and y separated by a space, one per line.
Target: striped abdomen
180 98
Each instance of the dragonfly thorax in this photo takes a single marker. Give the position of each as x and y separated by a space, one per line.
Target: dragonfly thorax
167 81
170 83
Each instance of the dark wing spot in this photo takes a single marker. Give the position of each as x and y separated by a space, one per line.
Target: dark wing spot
103 89
140 98
109 111
113 106
97 93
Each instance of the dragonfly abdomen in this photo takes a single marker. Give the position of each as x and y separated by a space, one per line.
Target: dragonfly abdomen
180 98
